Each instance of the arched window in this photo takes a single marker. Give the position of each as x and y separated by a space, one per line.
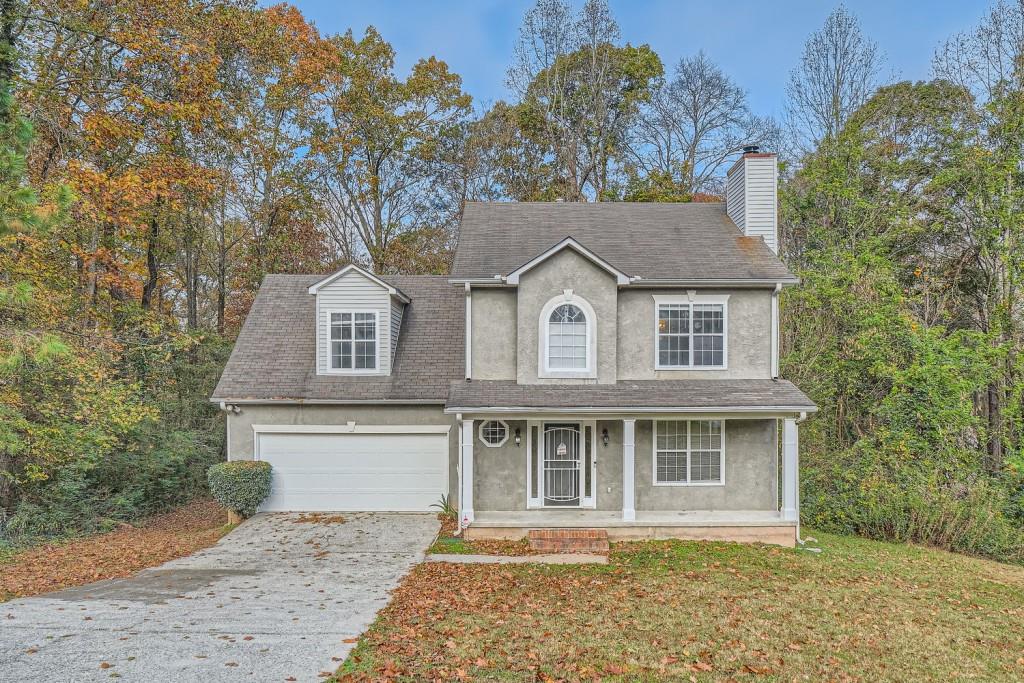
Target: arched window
567 338
568 343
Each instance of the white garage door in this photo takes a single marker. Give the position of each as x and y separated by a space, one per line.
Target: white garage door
355 471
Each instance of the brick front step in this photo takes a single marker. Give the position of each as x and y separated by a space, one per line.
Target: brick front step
569 540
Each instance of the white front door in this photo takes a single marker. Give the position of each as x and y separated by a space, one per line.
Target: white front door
349 472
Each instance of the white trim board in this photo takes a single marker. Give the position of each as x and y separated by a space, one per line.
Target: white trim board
617 412
620 277
350 428
392 290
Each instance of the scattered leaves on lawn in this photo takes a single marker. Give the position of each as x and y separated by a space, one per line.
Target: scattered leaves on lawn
115 554
703 612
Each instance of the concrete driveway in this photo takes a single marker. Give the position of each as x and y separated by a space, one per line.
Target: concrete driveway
275 600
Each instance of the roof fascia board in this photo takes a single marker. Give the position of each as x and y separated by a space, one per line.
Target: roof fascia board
714 282
734 411
328 401
620 277
392 290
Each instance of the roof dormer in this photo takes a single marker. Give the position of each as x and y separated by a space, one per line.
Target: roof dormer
359 317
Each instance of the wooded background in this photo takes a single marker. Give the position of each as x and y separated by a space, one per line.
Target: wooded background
160 157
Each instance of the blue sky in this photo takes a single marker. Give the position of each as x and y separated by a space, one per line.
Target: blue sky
757 42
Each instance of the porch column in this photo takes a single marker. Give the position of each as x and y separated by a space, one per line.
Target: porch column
628 469
466 494
790 471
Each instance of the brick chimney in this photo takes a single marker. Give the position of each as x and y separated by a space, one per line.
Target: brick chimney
751 195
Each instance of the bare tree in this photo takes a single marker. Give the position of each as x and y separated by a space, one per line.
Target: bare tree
579 91
838 72
693 125
988 58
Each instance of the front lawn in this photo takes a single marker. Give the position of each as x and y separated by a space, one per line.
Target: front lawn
112 555
859 610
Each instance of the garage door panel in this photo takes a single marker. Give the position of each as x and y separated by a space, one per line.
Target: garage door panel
347 472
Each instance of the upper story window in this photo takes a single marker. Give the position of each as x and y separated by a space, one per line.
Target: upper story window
354 340
691 332
567 338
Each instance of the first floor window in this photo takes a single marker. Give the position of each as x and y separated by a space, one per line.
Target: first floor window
688 452
354 341
691 335
494 433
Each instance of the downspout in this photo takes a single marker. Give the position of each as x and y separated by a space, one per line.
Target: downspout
469 332
230 409
775 331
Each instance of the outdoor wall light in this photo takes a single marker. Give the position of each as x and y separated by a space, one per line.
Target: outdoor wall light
604 436
519 439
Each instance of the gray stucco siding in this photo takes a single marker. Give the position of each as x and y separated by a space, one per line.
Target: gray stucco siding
494 333
566 270
751 479
749 321
240 433
751 472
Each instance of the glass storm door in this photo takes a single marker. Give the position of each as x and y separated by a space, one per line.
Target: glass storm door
562 464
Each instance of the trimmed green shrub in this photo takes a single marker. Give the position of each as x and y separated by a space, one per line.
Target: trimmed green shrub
240 485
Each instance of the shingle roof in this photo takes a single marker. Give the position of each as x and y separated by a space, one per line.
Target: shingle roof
274 356
755 395
693 241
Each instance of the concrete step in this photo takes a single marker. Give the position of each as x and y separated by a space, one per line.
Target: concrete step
569 540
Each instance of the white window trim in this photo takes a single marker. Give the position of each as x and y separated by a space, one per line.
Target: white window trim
544 368
376 370
689 436
485 442
693 298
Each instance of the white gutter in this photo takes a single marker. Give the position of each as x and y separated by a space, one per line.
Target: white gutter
775 331
469 331
328 401
803 410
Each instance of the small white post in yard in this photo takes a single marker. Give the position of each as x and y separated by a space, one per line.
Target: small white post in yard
628 470
790 470
466 494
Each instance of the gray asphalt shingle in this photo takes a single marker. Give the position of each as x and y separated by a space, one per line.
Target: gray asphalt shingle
691 393
275 353
693 241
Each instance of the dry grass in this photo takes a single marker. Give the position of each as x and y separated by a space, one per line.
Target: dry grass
858 611
112 555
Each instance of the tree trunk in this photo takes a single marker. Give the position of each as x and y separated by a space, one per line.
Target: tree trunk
152 265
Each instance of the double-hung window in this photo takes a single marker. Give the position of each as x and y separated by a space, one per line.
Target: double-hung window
354 341
690 332
688 452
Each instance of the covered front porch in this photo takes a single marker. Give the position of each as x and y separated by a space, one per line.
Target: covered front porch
728 479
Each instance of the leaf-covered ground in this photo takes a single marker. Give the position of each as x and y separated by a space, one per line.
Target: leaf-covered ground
858 611
112 555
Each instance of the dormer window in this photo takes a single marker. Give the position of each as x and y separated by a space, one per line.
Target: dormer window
354 340
567 337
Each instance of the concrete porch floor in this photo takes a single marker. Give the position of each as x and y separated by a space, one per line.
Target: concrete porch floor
602 518
745 526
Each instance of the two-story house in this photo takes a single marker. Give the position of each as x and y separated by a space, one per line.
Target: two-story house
605 365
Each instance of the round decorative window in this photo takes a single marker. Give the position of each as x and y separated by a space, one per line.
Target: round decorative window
493 433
